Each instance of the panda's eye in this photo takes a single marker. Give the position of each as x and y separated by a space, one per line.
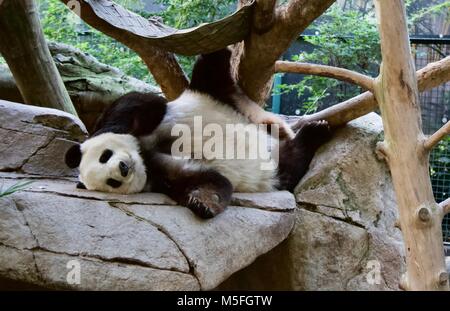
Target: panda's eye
106 155
113 183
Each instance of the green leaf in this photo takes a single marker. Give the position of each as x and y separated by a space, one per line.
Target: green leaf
14 188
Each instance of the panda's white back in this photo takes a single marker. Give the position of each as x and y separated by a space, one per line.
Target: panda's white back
249 174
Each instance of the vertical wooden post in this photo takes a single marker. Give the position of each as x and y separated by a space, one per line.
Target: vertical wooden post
403 147
24 48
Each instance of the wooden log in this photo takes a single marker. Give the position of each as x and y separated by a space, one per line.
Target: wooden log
24 48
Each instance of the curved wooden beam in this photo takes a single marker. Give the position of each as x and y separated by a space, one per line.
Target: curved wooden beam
342 74
204 38
162 64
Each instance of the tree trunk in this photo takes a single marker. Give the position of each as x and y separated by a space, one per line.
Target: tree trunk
397 94
24 48
254 58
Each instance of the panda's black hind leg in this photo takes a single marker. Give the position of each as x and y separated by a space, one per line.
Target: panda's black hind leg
204 191
296 154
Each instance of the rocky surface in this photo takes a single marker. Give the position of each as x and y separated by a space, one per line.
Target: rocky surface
339 227
33 139
117 242
138 242
91 84
344 232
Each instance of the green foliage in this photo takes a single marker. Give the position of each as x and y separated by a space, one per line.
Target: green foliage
440 169
419 10
63 26
347 39
189 13
14 188
183 14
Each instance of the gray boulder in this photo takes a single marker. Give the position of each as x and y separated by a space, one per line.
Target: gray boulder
33 139
53 235
92 85
339 227
345 236
139 242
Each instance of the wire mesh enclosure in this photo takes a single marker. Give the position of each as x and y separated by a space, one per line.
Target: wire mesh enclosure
435 105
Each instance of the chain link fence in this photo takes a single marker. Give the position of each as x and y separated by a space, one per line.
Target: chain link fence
435 105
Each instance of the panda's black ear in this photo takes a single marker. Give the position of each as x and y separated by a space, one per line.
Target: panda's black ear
73 156
80 185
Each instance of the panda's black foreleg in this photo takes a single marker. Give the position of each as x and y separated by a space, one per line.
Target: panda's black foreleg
296 155
204 191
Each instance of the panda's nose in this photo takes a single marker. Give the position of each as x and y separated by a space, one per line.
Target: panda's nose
123 167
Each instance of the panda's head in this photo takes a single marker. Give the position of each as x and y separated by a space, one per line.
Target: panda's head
109 162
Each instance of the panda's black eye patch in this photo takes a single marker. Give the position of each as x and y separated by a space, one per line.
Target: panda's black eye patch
113 183
106 155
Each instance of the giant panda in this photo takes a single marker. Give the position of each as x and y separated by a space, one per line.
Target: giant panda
132 148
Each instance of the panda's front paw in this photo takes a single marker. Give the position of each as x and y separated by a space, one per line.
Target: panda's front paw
205 203
315 133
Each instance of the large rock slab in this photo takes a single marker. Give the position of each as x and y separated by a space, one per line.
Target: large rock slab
345 236
33 139
136 242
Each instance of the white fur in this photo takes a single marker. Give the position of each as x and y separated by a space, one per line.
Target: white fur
245 175
94 174
257 115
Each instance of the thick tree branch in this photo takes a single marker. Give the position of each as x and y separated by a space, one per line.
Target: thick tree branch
254 59
440 134
326 71
163 65
445 206
434 74
428 77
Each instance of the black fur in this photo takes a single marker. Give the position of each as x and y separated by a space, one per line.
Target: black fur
204 191
73 156
296 154
136 113
212 75
106 155
80 185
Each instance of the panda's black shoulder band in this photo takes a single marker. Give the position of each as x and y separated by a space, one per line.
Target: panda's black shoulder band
135 113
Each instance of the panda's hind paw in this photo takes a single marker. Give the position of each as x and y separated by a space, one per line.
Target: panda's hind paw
205 203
